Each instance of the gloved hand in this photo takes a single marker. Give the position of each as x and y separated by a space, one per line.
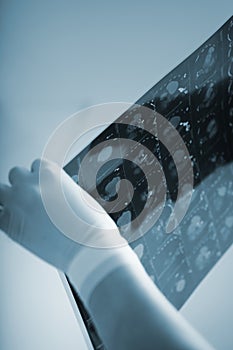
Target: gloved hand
25 220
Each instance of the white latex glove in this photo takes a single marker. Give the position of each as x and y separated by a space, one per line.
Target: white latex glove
25 220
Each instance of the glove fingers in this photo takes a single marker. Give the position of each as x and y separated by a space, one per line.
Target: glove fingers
36 166
19 175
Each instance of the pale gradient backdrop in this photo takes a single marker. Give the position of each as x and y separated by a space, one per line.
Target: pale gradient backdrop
57 56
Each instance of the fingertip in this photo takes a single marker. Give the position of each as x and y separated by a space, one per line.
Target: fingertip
17 175
36 165
39 163
12 175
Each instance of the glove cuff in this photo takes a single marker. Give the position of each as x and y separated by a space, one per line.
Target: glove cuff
92 265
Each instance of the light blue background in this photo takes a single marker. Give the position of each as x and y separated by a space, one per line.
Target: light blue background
55 58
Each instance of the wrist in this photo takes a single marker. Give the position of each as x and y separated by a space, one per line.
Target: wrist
92 265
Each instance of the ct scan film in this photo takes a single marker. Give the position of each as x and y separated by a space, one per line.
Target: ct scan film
197 99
